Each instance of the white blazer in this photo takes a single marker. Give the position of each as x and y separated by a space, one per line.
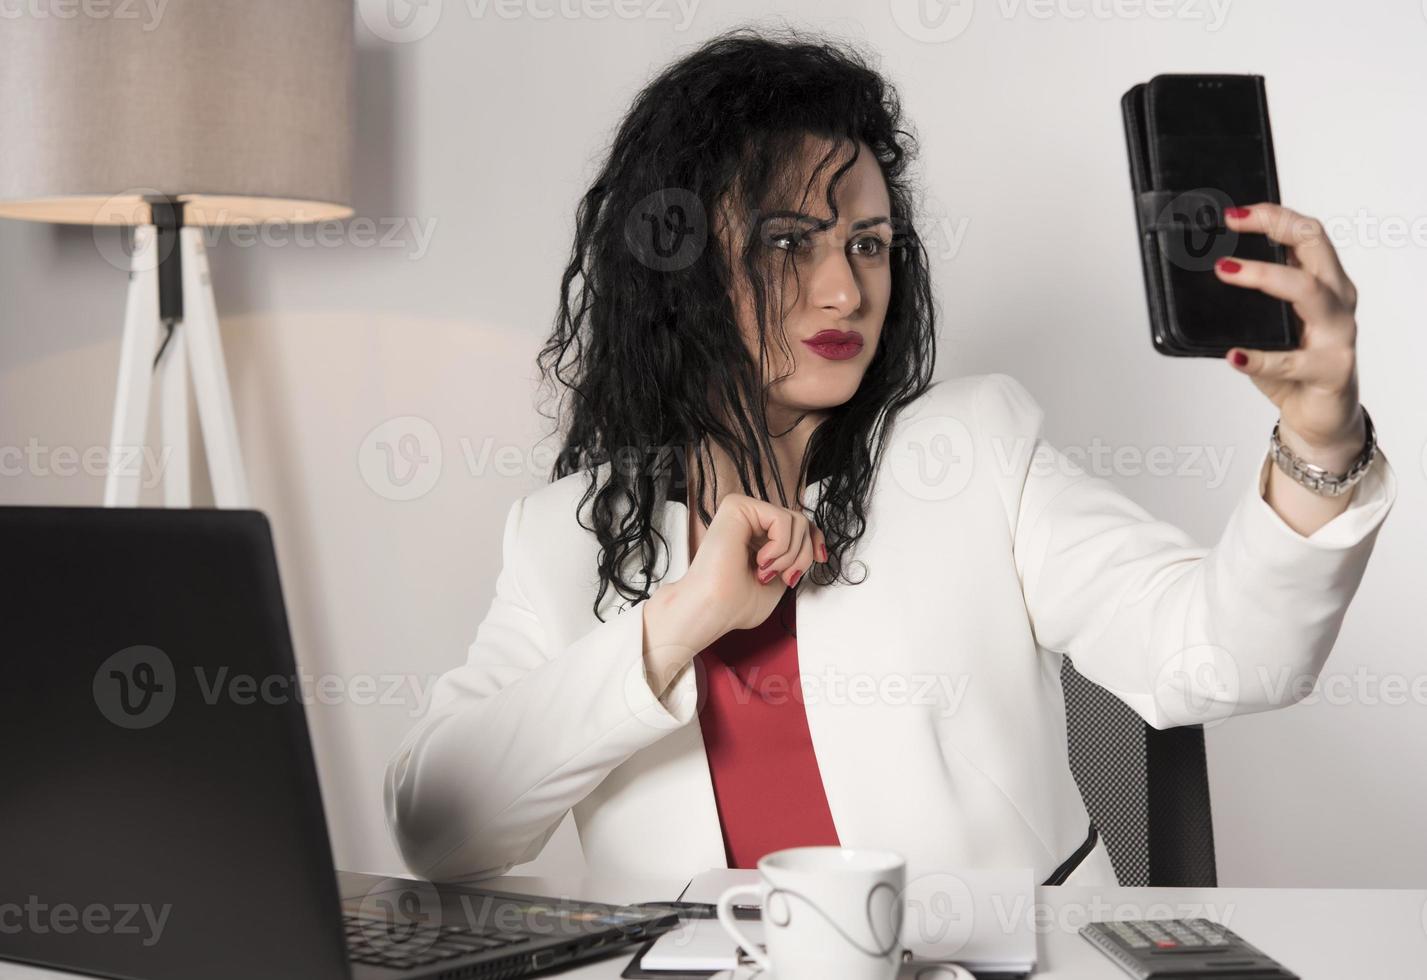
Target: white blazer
932 689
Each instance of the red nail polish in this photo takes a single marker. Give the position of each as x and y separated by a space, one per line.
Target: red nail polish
765 577
1229 265
794 580
1237 212
1240 358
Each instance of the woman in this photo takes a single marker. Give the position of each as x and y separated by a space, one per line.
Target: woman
783 589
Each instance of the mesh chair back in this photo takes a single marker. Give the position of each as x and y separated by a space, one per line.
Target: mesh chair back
1147 790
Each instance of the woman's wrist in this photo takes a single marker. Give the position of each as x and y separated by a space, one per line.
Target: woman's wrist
1335 458
677 626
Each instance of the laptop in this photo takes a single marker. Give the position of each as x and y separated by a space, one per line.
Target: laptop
161 816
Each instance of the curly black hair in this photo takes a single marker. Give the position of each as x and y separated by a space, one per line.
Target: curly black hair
648 344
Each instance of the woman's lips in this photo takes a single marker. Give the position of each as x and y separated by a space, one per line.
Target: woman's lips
835 345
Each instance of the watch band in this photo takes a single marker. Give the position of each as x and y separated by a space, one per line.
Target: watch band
1317 479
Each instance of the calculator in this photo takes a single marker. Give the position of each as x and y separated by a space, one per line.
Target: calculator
1155 948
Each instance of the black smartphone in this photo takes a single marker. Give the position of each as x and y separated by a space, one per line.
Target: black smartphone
1199 144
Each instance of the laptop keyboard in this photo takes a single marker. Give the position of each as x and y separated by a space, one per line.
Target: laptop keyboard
377 942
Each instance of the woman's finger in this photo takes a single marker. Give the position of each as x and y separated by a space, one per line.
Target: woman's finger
803 561
796 544
1311 298
819 543
1274 365
776 525
1307 238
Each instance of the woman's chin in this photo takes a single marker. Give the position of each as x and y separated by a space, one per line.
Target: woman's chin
825 396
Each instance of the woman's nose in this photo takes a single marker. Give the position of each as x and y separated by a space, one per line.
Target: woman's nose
834 286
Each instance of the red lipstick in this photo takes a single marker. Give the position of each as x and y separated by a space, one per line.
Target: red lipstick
835 345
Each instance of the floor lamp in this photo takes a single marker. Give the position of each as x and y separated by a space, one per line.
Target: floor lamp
211 115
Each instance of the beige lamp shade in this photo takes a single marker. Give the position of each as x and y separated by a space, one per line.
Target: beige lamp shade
240 108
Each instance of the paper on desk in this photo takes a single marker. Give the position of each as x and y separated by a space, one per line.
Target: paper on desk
981 918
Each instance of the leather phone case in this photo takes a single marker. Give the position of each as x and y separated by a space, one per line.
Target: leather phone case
1199 144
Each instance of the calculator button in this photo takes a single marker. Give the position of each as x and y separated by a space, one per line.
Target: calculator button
1166 944
1212 936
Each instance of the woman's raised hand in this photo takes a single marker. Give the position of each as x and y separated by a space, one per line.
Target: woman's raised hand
751 552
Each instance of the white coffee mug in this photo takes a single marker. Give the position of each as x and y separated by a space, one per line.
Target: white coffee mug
829 913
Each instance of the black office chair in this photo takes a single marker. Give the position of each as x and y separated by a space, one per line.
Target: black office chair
1147 790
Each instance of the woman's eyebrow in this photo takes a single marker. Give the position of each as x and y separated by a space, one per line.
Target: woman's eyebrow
824 223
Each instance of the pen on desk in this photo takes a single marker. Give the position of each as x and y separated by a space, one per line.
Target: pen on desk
705 910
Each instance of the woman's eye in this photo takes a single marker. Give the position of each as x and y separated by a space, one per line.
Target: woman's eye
794 240
871 245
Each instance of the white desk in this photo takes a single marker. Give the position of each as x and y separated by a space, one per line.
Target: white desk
1312 931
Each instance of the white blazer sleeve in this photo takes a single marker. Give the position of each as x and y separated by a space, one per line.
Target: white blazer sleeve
1182 634
520 733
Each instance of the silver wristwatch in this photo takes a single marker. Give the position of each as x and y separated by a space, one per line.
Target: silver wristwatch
1316 478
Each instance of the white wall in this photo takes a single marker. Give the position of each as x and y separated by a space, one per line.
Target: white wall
480 131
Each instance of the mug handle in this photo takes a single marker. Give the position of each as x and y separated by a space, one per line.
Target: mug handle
730 925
